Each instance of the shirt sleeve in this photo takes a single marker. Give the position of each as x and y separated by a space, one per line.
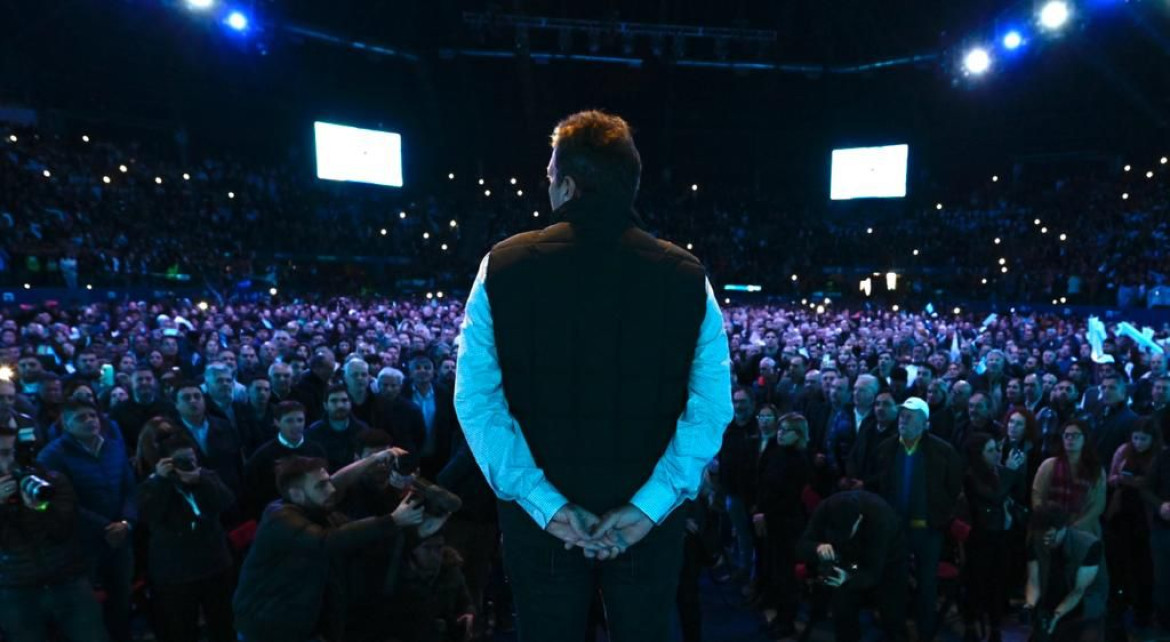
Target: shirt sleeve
492 433
699 432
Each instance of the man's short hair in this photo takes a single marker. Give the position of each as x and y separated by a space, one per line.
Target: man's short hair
1116 376
418 359
1049 516
215 369
392 372
167 442
597 150
74 406
184 385
846 508
259 377
291 470
286 408
334 389
371 439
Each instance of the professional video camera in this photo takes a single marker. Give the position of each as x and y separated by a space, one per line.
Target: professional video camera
24 470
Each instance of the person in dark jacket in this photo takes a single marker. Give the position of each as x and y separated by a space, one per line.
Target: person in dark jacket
920 475
1127 532
220 448
257 424
1156 492
988 487
430 602
42 571
395 414
144 404
97 465
310 390
190 563
737 475
851 422
290 589
785 471
863 457
473 530
1113 421
260 471
438 409
855 545
337 433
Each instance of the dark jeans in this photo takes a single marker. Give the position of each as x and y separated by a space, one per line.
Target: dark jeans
889 596
553 588
476 543
1077 629
926 548
25 613
113 572
176 609
1160 547
986 576
690 607
1131 577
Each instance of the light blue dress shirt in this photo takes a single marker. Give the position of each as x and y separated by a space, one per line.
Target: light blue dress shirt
495 438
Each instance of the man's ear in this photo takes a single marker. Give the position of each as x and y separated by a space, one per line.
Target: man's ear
296 495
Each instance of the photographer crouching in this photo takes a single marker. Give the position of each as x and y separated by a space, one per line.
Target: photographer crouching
42 572
1067 585
293 586
856 544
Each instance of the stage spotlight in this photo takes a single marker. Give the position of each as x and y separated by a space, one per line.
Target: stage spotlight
1127 168
1054 15
1012 40
1164 159
237 21
977 61
200 5
272 291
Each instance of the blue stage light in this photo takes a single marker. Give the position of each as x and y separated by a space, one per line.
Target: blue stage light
1054 15
1012 40
200 5
237 21
977 61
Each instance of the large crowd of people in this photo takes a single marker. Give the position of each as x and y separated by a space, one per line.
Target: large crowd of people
77 211
285 472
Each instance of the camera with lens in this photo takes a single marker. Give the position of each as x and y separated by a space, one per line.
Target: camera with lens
437 501
24 471
828 568
184 464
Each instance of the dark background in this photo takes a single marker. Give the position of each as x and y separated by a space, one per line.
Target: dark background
148 69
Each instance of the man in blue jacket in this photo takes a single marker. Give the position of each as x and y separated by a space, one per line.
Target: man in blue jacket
97 464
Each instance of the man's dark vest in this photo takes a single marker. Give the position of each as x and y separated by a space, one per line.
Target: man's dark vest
595 325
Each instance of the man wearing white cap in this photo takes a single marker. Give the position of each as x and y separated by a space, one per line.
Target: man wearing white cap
921 479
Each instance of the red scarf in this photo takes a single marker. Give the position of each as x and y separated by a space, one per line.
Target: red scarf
1066 489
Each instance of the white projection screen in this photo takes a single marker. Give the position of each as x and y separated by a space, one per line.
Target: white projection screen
358 155
869 172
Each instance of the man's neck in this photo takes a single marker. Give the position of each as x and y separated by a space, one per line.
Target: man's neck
359 395
143 401
423 388
340 425
195 422
226 404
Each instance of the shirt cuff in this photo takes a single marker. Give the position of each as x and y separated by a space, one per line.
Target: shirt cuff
542 503
656 499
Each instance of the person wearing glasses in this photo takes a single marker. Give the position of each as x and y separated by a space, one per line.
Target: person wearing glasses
785 471
1073 479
